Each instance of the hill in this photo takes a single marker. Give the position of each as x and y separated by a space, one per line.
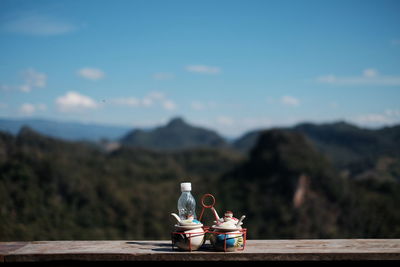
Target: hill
290 190
355 151
288 186
53 189
354 140
346 143
175 135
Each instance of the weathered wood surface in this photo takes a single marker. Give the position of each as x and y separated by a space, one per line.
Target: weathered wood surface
274 250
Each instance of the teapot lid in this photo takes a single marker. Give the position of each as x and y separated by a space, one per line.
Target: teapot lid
189 222
188 227
228 225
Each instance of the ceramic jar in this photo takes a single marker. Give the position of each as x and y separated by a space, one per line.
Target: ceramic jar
227 234
188 235
227 239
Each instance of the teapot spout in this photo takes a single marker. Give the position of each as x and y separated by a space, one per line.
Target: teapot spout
176 217
240 221
215 214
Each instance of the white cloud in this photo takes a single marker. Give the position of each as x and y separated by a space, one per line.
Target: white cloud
36 24
91 73
392 113
290 101
372 118
370 73
73 101
33 79
368 77
151 99
163 76
29 109
203 69
390 116
126 101
169 104
225 121
147 101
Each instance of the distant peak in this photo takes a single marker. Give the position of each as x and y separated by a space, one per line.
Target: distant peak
178 121
343 124
26 130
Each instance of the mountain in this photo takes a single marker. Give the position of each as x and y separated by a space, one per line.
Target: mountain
282 183
177 134
247 141
288 189
346 143
65 130
355 152
53 189
350 137
347 146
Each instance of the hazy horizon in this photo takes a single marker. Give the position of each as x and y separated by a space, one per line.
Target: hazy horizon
161 124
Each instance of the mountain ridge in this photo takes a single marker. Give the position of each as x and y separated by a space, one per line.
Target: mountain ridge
176 134
179 134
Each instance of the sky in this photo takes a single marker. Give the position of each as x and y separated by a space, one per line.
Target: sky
232 66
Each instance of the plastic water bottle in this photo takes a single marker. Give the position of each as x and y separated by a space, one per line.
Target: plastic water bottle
186 202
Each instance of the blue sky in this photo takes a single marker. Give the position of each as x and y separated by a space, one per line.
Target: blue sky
232 66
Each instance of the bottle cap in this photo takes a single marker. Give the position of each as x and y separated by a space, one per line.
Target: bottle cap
186 187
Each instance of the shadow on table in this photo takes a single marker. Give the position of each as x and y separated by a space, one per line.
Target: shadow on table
165 247
205 247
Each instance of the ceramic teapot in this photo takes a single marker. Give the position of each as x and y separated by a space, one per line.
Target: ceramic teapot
228 221
188 233
226 232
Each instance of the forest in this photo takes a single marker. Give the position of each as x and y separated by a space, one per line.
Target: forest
309 181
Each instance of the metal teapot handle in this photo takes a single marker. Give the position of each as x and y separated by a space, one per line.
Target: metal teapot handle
209 206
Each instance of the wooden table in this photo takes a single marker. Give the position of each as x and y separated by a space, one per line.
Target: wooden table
267 250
